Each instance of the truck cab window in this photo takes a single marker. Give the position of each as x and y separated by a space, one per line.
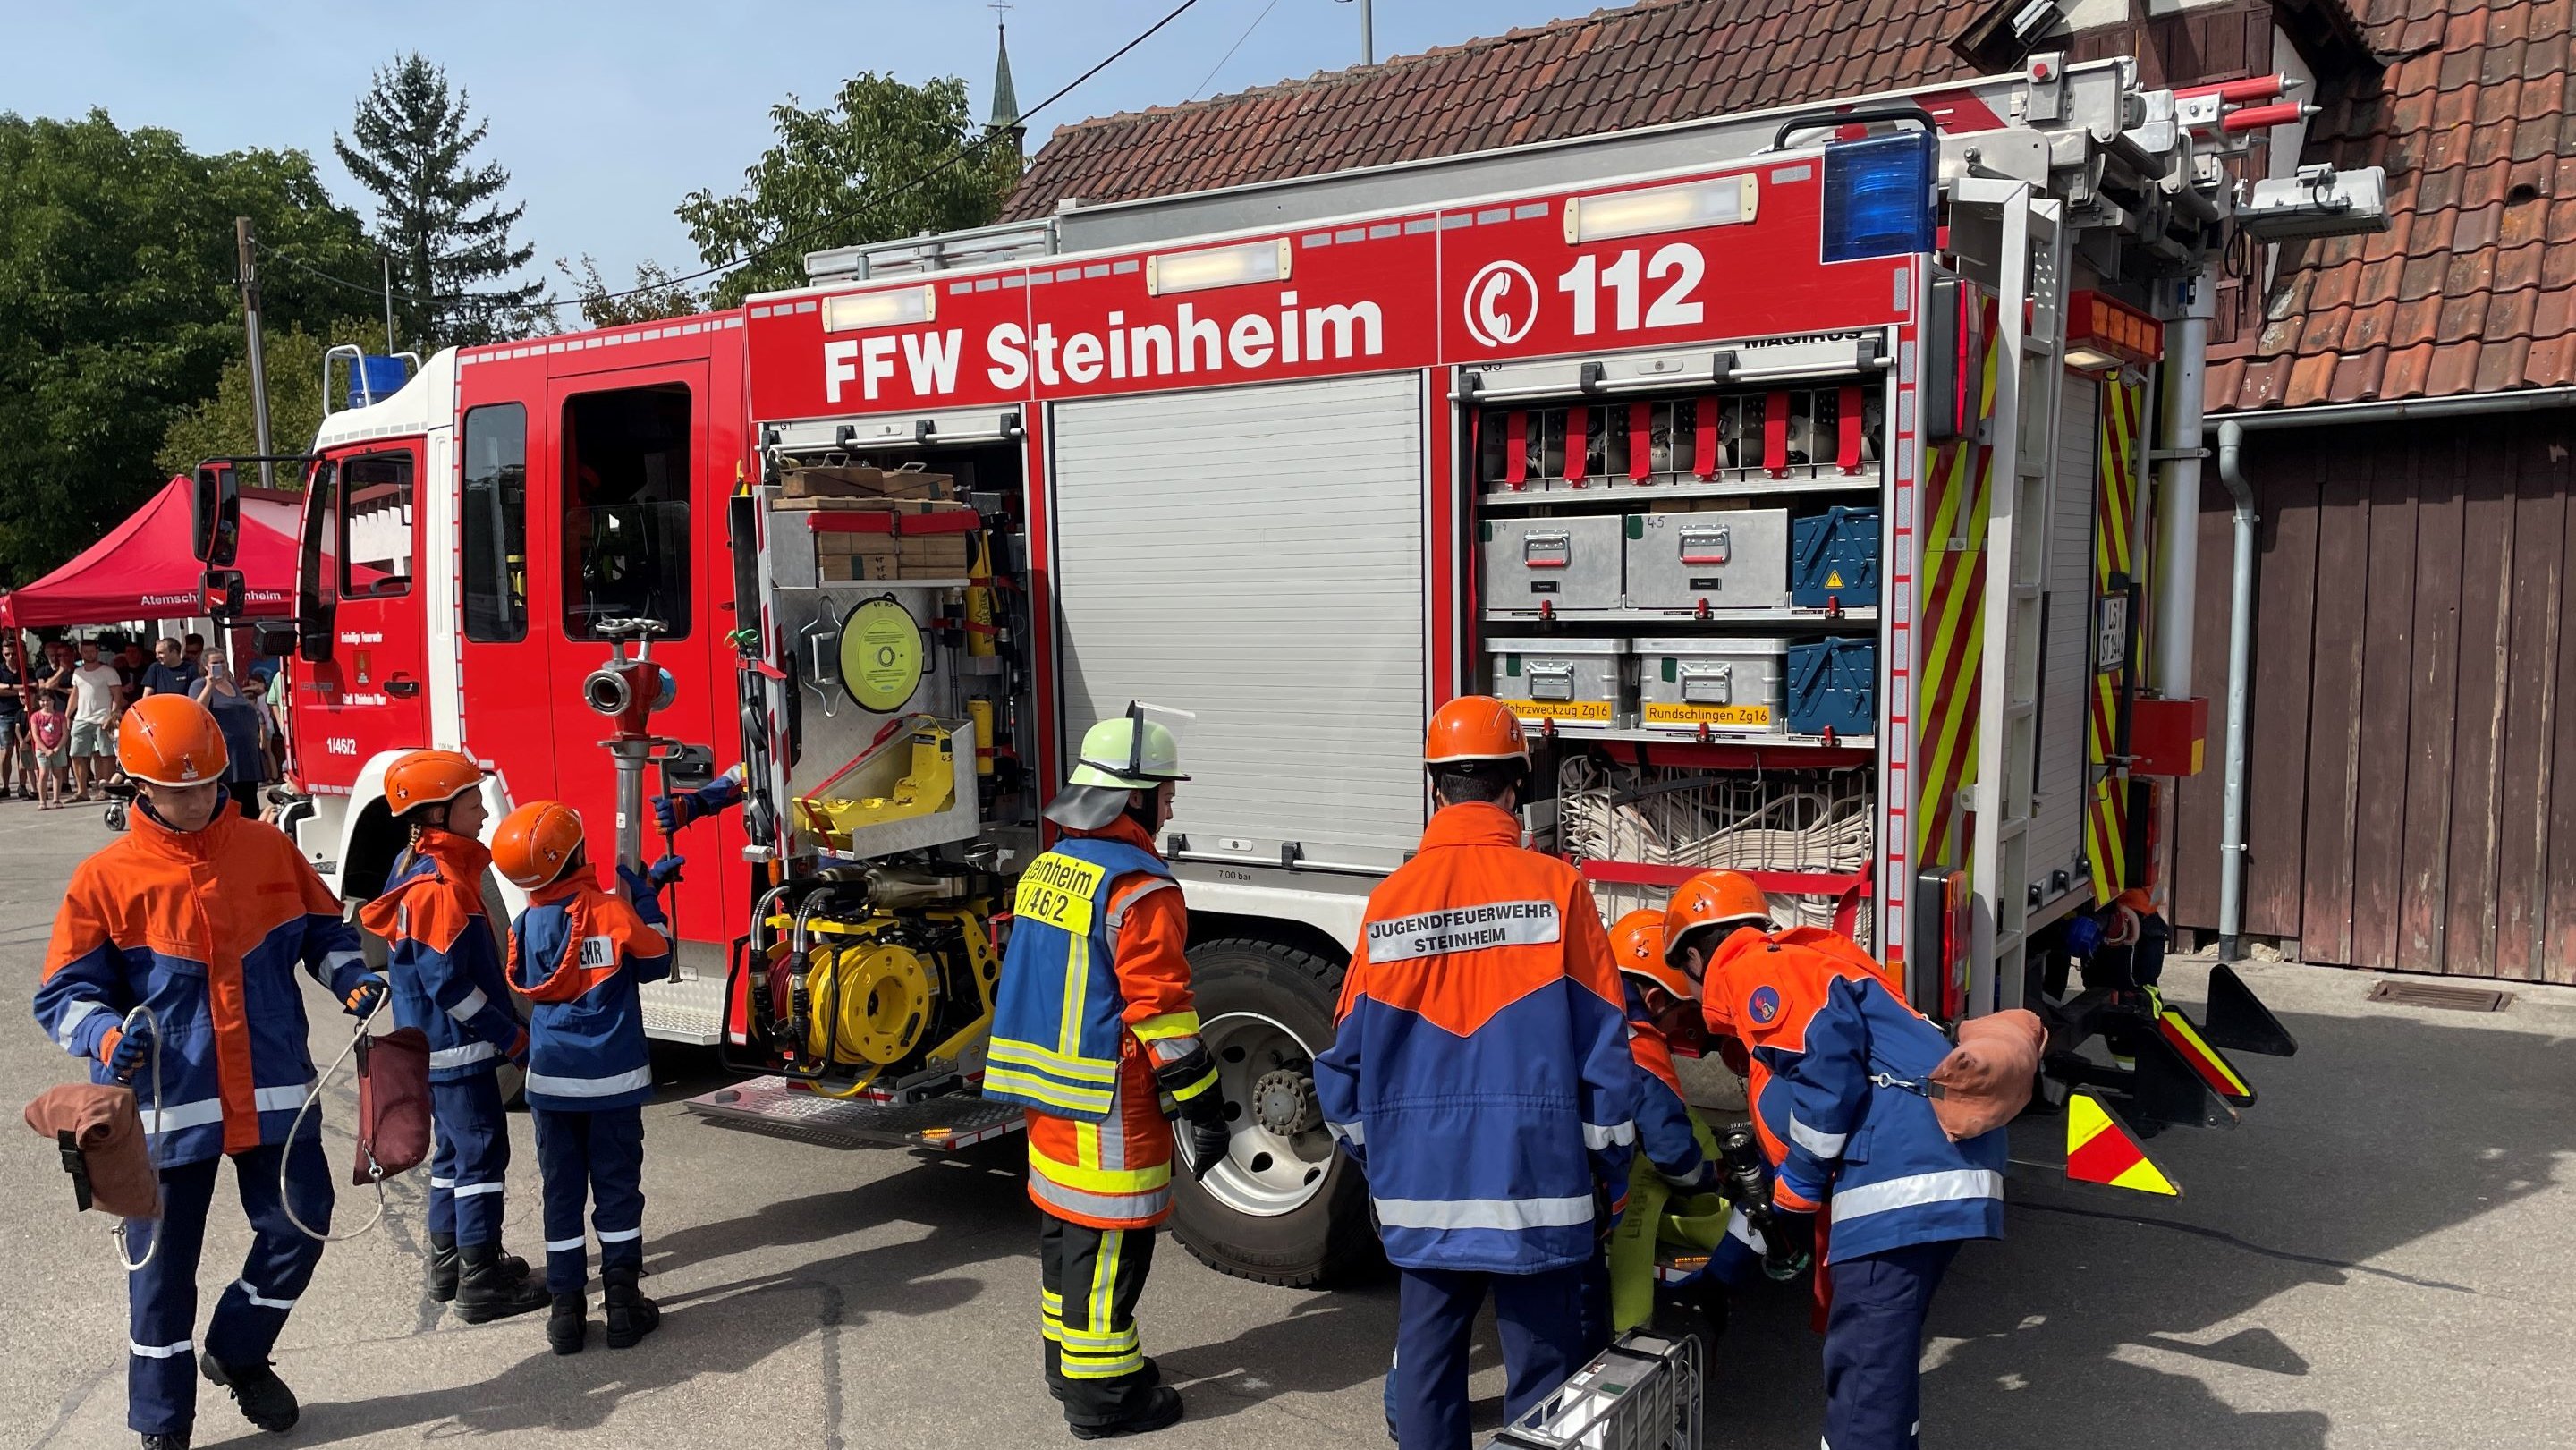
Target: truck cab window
626 509
375 524
496 523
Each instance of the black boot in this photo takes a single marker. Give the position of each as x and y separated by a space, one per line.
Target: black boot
177 1441
631 1316
485 1293
566 1325
1160 1411
264 1399
442 1267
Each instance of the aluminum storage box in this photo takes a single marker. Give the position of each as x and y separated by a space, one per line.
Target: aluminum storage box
1568 681
1730 686
1552 566
1727 558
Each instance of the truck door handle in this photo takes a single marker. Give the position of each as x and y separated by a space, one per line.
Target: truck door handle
401 686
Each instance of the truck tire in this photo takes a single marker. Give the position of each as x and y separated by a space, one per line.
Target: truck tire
1288 1210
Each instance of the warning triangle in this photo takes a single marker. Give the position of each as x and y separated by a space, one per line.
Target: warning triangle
1833 578
2100 1149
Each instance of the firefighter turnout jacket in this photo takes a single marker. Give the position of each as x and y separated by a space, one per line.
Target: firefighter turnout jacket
1481 1072
447 976
577 954
1839 1063
207 928
1094 975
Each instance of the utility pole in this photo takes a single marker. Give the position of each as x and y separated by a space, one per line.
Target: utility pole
388 259
258 366
1368 38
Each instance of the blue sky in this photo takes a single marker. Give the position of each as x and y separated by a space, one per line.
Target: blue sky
607 114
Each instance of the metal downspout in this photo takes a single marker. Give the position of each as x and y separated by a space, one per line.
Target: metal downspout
2240 688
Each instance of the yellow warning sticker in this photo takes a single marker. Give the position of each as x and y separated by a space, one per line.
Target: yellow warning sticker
1833 578
1742 717
1058 890
1593 712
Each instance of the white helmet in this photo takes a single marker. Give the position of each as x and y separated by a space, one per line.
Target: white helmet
1120 754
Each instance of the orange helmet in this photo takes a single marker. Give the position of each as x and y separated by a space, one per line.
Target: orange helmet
170 740
1712 898
1637 945
534 843
429 778
1472 728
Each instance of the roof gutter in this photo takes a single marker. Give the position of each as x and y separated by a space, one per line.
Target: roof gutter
2232 428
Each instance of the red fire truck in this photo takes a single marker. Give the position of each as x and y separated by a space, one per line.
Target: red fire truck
1788 472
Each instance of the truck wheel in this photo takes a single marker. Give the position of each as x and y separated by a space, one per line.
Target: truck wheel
1285 1207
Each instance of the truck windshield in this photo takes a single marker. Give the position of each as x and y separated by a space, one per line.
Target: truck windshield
626 509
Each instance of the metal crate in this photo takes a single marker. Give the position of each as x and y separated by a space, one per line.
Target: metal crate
1642 1393
1719 558
1553 566
1715 685
1562 681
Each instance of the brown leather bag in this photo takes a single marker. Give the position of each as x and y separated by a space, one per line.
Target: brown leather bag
393 1106
100 1133
1987 1079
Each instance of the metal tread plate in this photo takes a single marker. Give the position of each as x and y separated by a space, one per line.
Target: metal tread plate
778 1107
686 1009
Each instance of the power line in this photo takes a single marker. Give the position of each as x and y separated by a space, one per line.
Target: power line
793 239
1231 49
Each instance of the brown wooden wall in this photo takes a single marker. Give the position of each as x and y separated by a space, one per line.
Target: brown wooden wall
2412 787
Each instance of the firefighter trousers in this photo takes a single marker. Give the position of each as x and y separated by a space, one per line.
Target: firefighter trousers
598 1159
1542 1319
161 1297
471 1161
1874 1346
1089 1282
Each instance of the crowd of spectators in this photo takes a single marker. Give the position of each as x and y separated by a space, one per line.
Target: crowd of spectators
58 716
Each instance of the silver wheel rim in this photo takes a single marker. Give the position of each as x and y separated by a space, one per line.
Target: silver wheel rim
1262 1176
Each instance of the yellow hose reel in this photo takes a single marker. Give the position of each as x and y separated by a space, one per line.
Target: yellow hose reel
872 1002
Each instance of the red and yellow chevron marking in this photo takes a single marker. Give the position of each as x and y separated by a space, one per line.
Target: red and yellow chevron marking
1952 624
2208 1061
2100 1149
2106 813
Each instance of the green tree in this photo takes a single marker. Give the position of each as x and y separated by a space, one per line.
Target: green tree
653 296
881 161
411 145
119 304
223 426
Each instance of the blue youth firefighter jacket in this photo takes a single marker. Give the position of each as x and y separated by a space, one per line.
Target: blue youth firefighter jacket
1481 1073
207 928
1666 1132
447 977
1058 1015
577 954
1838 1059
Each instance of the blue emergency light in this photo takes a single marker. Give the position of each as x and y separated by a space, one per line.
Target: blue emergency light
375 378
1880 196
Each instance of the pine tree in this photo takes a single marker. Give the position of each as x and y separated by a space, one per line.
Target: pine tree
436 213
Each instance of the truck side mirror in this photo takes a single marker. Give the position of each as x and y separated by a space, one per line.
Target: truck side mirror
215 515
274 638
221 595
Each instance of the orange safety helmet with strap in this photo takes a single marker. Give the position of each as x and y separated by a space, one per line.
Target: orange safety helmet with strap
1637 945
1473 729
1712 898
170 740
535 843
429 778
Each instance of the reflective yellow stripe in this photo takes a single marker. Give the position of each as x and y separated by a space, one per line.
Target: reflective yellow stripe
1070 1202
1101 1367
1104 1280
1170 1024
1124 1341
1086 1147
1089 1178
1077 973
1029 1054
1184 1094
1056 1095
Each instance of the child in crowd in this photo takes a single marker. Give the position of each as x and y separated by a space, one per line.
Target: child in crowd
51 729
577 955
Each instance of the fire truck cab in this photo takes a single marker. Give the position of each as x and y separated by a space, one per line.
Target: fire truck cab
1785 472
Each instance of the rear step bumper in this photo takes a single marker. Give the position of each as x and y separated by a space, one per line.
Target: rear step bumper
777 1107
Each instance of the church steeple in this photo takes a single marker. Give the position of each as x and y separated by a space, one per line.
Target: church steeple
1006 97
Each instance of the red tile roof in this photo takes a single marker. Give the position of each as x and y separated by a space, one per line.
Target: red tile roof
2475 120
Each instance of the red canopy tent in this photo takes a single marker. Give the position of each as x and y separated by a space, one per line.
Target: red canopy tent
144 568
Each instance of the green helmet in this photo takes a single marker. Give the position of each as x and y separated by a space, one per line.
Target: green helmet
1120 754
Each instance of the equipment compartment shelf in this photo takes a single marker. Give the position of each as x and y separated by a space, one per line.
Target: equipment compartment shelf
1860 744
1661 619
1625 493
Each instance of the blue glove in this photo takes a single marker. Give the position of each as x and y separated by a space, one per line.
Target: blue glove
2083 937
680 808
363 998
644 888
130 1051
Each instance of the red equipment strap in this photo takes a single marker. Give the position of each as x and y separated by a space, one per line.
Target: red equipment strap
1848 413
1516 447
1775 433
1578 441
1704 437
1641 440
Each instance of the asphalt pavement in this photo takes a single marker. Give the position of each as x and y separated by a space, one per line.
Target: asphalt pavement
2377 1258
